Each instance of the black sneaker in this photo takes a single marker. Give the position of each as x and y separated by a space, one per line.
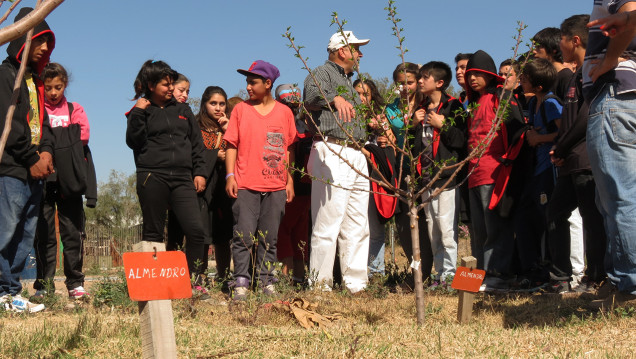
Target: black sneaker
560 286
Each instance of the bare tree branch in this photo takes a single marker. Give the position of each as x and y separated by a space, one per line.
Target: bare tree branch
14 31
6 15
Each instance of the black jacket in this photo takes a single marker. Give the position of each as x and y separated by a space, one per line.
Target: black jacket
571 142
19 154
449 144
166 140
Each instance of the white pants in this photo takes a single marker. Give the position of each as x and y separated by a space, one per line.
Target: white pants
339 216
577 246
441 217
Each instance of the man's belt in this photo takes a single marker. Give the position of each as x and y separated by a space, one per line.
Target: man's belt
337 141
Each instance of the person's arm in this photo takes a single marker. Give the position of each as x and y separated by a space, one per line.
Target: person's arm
79 116
199 168
616 24
231 187
615 47
19 140
289 187
453 134
314 99
136 132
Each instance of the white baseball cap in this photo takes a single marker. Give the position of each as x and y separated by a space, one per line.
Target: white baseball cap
337 40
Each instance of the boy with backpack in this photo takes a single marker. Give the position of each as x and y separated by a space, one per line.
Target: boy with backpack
441 138
544 116
258 137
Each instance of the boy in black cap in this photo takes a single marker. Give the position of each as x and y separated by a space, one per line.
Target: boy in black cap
26 160
492 243
258 137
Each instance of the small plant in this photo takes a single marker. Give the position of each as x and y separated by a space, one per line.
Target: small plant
112 292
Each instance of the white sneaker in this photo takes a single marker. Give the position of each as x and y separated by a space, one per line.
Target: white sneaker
78 293
20 304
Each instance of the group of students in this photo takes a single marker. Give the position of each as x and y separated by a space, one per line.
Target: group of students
520 194
247 175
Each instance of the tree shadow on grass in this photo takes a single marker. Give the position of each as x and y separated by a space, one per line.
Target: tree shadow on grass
524 310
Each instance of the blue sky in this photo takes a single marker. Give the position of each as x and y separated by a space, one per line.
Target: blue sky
104 43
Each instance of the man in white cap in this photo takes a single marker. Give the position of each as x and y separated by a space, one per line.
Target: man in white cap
339 201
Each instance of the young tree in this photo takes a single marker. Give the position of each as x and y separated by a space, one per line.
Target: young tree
412 190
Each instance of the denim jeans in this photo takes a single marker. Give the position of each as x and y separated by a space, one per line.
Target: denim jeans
376 240
611 146
19 208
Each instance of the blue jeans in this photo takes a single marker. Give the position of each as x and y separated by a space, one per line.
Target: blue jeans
19 208
611 145
376 240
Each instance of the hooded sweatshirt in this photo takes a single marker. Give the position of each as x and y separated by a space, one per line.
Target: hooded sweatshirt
20 152
481 120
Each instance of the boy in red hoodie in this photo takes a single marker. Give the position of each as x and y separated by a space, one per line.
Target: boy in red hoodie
26 161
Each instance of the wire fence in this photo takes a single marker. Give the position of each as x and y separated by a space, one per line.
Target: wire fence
104 247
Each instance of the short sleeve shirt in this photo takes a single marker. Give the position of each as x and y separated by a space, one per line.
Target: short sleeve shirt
262 142
624 75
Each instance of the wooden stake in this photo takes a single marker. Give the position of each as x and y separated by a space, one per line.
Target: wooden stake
156 319
465 307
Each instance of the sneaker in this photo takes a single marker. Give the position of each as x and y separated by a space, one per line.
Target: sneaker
77 293
269 290
239 292
20 304
560 286
494 284
39 295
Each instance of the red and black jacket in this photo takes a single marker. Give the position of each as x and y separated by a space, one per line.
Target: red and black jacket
20 154
449 143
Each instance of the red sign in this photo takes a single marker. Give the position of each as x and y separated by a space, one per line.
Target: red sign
468 280
157 275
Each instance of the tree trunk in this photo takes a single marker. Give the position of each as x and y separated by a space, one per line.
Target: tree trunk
417 261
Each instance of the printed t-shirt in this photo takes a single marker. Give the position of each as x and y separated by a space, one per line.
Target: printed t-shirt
262 142
479 125
34 111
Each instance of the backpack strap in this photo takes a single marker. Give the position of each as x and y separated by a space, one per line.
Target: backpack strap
550 126
70 110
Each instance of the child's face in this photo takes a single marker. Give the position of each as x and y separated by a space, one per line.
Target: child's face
525 84
39 47
411 83
478 81
365 94
161 92
567 48
215 107
257 88
540 53
181 91
460 71
54 90
427 84
508 73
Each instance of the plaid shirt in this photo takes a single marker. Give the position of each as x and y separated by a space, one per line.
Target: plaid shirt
333 82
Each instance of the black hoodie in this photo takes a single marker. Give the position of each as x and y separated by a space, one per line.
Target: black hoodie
19 154
166 140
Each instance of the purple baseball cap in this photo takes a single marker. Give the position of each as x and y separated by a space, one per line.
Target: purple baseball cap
263 69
